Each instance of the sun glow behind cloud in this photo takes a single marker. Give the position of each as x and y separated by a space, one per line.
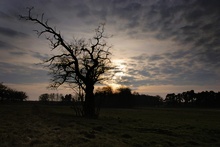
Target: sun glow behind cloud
120 72
120 67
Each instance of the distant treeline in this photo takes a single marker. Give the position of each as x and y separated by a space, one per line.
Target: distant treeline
121 98
56 97
106 97
8 94
124 98
192 99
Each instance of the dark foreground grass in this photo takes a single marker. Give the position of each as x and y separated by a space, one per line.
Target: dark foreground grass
39 125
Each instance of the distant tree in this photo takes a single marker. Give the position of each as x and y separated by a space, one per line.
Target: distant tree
171 99
159 100
104 91
218 99
124 91
67 98
58 97
20 96
44 97
8 94
125 96
136 93
51 96
102 95
179 98
3 92
190 98
81 63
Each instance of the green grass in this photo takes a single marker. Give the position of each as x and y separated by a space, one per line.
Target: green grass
40 125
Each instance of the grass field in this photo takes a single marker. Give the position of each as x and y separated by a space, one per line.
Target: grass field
41 125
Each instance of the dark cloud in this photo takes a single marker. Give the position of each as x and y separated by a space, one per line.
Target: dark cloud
39 55
185 22
181 67
4 15
155 57
191 23
18 53
12 73
127 11
209 57
6 46
83 10
140 57
11 33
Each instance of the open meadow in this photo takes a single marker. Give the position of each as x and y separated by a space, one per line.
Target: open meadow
44 125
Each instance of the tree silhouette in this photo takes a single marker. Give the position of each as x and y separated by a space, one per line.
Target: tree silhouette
8 94
44 97
67 98
122 97
80 63
171 99
190 98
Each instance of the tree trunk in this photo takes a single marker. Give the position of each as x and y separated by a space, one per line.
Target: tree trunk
89 105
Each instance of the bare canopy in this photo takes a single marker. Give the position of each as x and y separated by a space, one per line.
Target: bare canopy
80 62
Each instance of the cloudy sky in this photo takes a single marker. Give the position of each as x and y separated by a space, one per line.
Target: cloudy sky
161 46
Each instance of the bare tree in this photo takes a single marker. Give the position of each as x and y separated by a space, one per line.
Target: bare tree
81 63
